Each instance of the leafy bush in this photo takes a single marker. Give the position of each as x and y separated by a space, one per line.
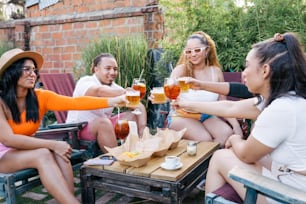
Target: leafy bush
130 53
3 47
234 29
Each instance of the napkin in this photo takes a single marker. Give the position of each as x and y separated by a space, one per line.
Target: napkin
98 162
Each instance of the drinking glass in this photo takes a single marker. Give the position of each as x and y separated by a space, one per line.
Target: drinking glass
139 84
172 89
122 129
133 98
183 84
159 95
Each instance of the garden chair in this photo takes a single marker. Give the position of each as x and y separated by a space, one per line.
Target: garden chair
64 84
257 184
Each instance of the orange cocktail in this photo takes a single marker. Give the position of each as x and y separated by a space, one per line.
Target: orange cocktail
140 85
122 129
172 88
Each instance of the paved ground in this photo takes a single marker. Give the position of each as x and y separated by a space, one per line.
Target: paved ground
39 195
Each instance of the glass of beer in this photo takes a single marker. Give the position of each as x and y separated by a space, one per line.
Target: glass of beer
172 89
133 98
183 84
122 129
139 84
159 96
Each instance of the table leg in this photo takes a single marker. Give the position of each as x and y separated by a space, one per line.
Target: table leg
88 193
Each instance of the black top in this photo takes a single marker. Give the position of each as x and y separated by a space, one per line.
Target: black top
239 90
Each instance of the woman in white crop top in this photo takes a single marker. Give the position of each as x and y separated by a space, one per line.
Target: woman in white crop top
199 60
276 147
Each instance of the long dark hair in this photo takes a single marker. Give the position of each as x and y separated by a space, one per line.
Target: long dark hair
8 93
286 58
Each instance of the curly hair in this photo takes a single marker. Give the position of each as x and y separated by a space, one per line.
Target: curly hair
211 58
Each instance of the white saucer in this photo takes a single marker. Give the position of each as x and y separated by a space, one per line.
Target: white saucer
178 166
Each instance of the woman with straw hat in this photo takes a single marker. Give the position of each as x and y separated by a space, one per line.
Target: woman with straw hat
22 108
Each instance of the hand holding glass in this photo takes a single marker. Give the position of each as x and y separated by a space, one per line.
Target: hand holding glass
139 84
172 89
183 84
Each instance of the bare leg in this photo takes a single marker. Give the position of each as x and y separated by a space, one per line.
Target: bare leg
195 129
218 129
141 119
66 170
220 164
50 174
104 131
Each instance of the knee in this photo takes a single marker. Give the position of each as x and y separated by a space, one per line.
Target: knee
220 156
103 122
44 156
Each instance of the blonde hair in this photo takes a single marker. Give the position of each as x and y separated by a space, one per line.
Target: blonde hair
211 58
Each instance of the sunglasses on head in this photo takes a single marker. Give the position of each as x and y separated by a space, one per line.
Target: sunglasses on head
195 50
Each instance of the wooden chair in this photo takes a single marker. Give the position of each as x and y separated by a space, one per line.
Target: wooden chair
64 84
257 184
16 183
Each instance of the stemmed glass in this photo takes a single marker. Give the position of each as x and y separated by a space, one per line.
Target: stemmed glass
122 128
172 90
139 84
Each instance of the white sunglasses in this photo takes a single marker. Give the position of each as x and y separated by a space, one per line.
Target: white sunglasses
195 50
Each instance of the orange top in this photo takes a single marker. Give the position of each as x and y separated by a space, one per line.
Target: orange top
49 100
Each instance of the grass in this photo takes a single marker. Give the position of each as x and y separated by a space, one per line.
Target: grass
195 197
40 190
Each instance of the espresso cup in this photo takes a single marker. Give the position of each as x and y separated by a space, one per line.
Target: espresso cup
172 161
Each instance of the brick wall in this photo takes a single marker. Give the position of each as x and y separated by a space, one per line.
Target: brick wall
61 31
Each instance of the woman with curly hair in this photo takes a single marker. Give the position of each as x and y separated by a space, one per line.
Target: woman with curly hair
199 60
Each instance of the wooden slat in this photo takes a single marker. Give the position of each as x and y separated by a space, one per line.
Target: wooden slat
155 162
268 186
153 170
204 149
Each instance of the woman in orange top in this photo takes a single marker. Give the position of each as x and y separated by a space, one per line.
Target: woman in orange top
21 110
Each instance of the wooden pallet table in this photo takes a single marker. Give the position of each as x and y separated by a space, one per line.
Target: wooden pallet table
150 181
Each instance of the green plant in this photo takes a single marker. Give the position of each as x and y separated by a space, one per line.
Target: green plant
234 29
3 47
130 53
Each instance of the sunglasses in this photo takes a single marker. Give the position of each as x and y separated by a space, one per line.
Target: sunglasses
195 50
28 70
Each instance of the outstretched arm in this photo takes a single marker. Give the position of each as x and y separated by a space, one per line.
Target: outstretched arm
233 89
229 109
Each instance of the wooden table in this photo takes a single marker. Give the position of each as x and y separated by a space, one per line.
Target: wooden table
150 181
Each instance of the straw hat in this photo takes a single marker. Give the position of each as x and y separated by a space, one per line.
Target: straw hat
16 54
